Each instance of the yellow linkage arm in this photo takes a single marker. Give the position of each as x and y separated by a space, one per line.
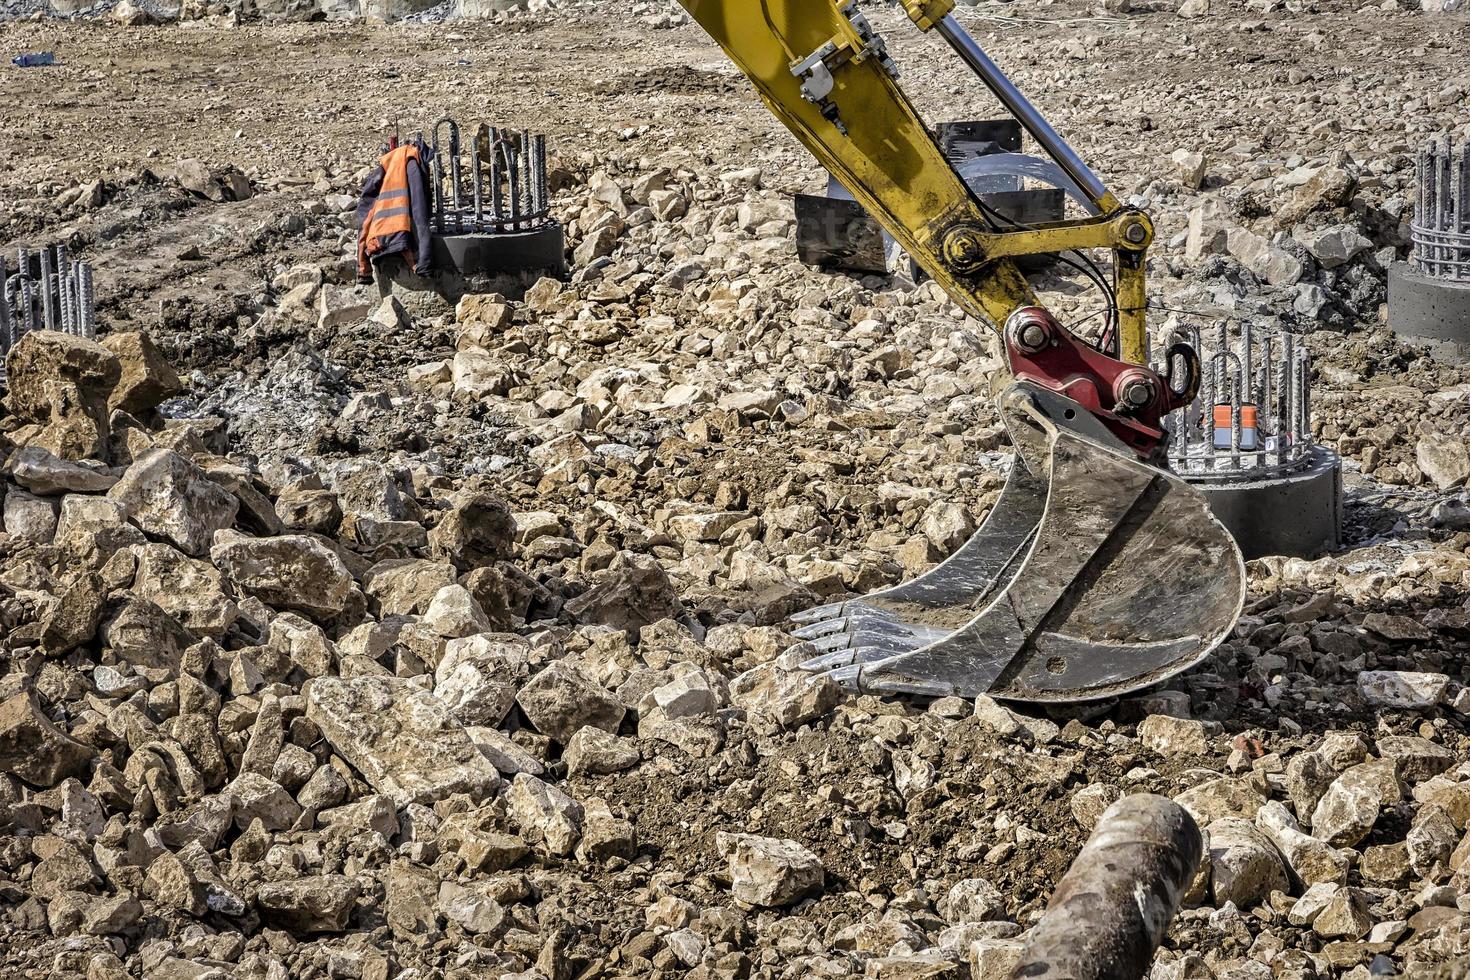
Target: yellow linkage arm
846 108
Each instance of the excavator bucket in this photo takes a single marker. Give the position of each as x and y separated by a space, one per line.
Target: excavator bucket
1094 575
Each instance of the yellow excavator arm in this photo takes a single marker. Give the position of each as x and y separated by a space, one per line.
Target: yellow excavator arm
1096 571
826 74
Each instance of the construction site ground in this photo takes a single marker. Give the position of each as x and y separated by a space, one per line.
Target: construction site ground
693 438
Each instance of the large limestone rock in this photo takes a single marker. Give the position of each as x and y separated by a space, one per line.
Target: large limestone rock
1407 689
1444 458
169 497
317 903
392 10
1311 860
547 817
778 699
632 594
481 9
455 614
1350 807
406 586
402 739
254 797
290 571
143 634
146 378
366 486
1171 737
61 384
1224 796
189 589
1336 245
1269 261
34 749
973 900
1245 866
480 675
73 617
45 474
29 518
477 530
561 700
768 872
600 753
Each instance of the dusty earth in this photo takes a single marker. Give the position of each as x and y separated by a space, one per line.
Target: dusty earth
537 551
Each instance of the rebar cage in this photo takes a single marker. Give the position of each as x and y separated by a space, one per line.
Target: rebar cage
47 290
1252 418
1441 227
494 184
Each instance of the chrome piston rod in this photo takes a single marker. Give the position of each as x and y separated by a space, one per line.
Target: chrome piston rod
1020 107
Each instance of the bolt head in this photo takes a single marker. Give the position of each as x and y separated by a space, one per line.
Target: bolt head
1028 332
1138 393
962 248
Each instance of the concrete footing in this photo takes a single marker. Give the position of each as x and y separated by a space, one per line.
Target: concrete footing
1298 514
508 263
1430 311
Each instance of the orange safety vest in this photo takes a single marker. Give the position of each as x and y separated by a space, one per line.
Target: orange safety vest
392 213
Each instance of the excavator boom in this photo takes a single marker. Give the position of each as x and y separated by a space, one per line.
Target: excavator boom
1097 571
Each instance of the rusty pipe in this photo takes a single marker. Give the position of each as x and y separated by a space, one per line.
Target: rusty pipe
1111 909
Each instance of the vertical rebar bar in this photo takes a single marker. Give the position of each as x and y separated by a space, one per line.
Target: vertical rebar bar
513 178
76 299
1286 402
28 303
528 173
1246 374
1235 410
5 325
475 169
1264 408
60 262
1462 190
48 310
454 177
63 300
1442 208
497 177
1303 399
75 295
89 303
1428 194
543 204
436 171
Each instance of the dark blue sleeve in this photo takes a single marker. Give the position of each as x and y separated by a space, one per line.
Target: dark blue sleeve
369 195
422 203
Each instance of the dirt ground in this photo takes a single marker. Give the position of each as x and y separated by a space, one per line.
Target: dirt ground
295 105
901 799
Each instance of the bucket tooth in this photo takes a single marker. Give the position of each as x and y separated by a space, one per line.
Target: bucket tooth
828 611
869 620
895 636
1094 575
833 664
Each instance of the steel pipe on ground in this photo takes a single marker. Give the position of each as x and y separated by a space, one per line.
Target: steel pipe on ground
1111 909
